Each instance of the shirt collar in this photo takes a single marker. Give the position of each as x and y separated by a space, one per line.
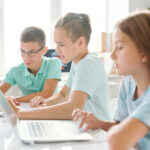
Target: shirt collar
27 73
41 70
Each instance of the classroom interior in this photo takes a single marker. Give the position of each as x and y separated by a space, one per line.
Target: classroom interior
15 15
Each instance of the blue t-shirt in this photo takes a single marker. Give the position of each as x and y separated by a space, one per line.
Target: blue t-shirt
27 82
88 76
138 109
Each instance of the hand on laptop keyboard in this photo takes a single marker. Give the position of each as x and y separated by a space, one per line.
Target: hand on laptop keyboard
14 99
37 101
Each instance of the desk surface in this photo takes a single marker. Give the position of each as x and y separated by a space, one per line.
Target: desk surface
9 141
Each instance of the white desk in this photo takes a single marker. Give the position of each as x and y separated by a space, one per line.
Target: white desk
9 141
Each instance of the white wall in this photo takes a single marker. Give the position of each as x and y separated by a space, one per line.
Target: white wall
115 10
138 4
1 38
55 13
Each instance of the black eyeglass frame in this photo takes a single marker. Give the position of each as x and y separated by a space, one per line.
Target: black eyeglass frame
30 53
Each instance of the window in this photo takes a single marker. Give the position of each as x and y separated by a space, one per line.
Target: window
19 14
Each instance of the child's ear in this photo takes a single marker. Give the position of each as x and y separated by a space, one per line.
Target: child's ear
45 50
144 57
82 41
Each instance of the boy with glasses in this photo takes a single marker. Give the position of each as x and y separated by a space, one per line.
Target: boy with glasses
37 75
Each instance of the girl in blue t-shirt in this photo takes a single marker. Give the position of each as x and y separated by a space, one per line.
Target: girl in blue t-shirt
131 55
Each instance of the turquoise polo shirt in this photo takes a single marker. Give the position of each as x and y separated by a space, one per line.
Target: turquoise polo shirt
27 82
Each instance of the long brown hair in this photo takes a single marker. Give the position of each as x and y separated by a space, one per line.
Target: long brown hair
137 27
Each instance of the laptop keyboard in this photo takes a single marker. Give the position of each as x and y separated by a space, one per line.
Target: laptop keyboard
50 131
40 129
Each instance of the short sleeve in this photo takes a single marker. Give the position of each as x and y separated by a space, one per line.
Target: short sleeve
9 78
54 69
85 78
70 77
142 112
122 111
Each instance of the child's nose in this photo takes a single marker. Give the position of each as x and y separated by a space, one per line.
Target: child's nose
113 55
57 50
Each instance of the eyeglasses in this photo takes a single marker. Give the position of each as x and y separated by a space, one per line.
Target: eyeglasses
30 53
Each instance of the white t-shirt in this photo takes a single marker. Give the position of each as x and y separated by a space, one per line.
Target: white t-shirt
88 76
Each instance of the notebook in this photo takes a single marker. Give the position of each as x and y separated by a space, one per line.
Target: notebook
39 131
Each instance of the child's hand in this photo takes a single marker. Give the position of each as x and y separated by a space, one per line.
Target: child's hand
87 119
14 99
16 102
38 101
12 104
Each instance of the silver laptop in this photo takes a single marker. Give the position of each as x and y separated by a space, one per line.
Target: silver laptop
37 131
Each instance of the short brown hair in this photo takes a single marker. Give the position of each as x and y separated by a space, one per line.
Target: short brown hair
33 34
76 25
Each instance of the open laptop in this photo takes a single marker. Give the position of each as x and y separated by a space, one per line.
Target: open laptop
37 131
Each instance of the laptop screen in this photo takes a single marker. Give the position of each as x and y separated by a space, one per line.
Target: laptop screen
51 53
4 105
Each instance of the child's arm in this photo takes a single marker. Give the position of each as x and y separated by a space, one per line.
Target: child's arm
4 87
48 90
88 120
126 134
59 97
64 110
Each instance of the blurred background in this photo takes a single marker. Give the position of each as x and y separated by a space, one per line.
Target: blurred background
15 15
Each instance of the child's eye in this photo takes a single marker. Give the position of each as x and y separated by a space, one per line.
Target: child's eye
61 44
31 52
120 47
